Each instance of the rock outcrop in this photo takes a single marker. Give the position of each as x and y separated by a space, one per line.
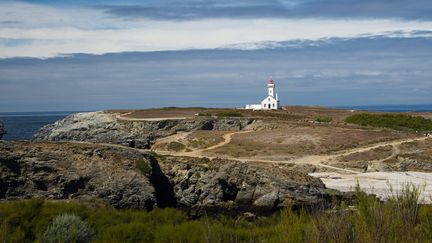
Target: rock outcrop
128 178
66 171
2 130
241 187
103 127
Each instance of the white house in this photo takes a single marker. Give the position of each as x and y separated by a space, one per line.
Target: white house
271 102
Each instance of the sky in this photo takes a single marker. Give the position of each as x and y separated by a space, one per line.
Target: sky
92 55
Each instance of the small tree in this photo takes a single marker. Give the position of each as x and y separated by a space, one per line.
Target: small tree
69 228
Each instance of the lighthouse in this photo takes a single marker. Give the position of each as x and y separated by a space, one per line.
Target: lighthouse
271 102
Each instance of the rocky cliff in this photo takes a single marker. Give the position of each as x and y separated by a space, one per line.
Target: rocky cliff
127 178
103 127
2 130
235 186
66 170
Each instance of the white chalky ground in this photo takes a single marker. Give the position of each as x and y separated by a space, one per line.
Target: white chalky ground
379 183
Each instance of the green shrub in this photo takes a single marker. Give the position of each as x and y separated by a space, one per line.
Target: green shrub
143 166
229 114
324 119
393 121
69 228
399 219
131 232
204 114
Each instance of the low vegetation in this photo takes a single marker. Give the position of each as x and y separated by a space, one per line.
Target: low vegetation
400 219
176 146
393 121
69 228
226 113
324 119
204 139
144 167
229 114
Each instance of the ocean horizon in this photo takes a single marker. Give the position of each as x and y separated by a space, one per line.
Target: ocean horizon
23 125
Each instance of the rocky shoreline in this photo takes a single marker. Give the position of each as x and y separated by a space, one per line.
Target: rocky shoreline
128 178
2 130
103 127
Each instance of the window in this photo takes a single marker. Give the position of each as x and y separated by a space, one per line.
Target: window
268 99
273 105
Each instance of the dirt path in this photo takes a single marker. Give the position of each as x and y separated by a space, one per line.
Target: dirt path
317 160
226 140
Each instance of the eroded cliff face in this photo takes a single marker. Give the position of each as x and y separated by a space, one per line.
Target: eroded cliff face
128 178
241 187
2 130
65 171
102 127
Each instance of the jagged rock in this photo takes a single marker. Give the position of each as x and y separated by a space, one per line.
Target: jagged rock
102 127
228 184
65 170
2 130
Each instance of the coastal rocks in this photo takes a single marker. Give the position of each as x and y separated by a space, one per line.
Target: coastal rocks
92 127
127 178
102 127
227 185
74 171
2 130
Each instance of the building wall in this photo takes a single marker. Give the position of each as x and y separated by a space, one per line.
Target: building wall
269 103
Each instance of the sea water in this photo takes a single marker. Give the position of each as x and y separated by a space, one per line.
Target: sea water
22 125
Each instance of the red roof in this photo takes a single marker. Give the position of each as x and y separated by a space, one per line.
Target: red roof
270 81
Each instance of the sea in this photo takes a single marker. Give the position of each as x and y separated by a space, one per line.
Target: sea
22 125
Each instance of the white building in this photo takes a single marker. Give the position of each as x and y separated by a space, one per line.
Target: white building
271 102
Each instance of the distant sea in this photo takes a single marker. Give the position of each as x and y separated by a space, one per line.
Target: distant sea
22 125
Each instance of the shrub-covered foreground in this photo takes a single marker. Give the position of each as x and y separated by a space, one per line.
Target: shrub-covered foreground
400 219
394 121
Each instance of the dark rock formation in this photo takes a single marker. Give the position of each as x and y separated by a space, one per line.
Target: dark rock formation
103 127
64 170
241 187
2 130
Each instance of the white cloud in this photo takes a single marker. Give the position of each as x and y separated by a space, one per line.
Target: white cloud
52 31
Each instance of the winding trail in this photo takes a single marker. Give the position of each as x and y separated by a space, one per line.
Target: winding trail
317 160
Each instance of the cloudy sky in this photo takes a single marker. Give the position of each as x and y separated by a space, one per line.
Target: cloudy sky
90 55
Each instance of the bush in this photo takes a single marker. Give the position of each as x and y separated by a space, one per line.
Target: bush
324 119
399 219
69 228
132 232
393 121
144 167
